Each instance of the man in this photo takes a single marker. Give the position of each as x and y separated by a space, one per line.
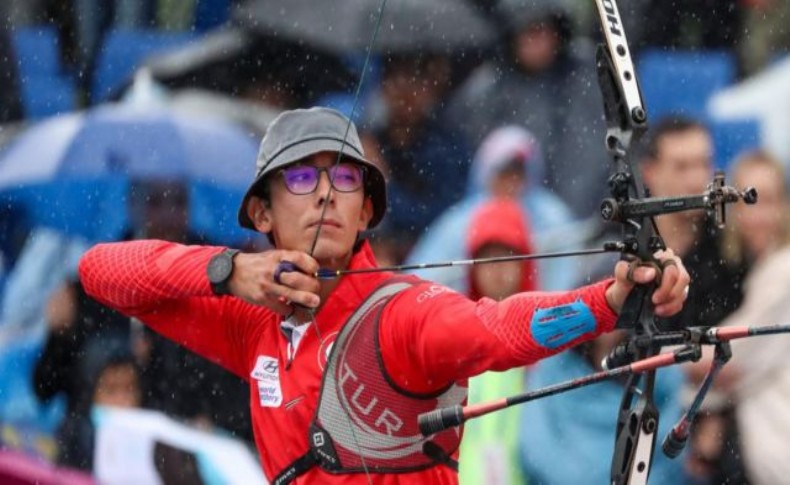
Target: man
337 388
541 79
678 160
428 159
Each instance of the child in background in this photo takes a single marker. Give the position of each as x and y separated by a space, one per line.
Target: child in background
114 381
489 452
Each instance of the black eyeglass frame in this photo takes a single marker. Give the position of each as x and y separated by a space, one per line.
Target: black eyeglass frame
362 169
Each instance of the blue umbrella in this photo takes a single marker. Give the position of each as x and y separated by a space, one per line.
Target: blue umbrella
73 172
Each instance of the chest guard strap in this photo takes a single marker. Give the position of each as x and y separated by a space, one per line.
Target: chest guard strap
364 421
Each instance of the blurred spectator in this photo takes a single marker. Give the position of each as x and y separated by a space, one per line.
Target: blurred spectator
544 79
755 231
489 450
61 367
118 383
46 260
568 438
499 228
678 161
10 98
109 377
427 160
753 234
174 379
509 163
757 379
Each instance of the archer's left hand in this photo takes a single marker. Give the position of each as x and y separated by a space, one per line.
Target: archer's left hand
668 297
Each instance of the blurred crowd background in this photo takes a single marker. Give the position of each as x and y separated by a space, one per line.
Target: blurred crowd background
126 119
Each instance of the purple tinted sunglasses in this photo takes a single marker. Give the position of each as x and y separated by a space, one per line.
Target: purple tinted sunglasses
303 179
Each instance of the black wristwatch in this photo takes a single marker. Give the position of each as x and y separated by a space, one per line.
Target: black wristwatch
219 270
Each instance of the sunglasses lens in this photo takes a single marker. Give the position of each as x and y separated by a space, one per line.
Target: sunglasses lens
347 177
301 179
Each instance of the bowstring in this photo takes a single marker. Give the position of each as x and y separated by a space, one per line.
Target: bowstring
331 174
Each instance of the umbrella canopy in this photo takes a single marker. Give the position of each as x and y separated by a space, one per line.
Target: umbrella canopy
330 26
255 117
236 60
73 172
343 26
432 26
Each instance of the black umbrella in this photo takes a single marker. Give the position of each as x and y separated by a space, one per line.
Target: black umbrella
438 26
236 60
431 26
332 26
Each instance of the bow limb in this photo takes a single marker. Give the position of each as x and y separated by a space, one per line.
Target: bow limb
626 121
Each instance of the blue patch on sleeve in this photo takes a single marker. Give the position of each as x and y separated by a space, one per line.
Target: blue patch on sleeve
556 326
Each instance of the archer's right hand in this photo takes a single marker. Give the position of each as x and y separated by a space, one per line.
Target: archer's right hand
256 280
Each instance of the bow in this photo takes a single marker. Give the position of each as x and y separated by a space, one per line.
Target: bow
630 206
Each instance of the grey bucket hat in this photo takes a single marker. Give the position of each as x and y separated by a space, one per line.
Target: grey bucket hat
297 134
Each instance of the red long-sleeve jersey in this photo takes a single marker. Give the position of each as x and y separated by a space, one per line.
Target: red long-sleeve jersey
429 336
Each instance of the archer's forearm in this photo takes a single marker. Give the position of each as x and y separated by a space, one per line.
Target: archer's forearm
133 276
433 336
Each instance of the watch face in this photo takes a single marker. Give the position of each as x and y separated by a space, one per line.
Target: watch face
220 268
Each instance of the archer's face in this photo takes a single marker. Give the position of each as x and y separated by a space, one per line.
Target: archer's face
293 219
